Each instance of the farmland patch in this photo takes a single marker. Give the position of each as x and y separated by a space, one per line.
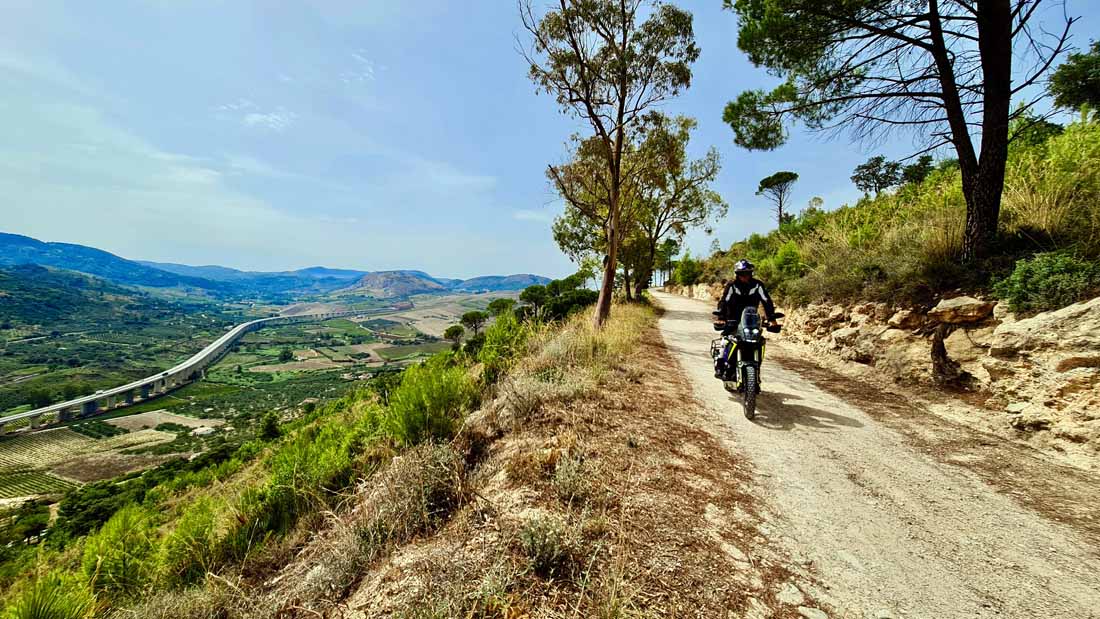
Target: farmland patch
153 419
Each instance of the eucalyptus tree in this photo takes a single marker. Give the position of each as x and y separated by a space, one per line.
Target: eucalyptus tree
607 62
940 69
675 191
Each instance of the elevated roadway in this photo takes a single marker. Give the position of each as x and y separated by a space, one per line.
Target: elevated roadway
158 384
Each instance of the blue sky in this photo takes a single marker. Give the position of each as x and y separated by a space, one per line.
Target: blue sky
358 134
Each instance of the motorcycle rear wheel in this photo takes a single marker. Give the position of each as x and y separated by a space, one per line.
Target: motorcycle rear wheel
751 382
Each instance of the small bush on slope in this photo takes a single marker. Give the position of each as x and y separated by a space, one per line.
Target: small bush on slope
117 559
188 551
1048 281
54 596
504 341
429 403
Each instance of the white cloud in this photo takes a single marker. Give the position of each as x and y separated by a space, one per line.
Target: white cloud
529 215
276 121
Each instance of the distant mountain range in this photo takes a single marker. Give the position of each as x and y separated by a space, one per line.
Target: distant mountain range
226 282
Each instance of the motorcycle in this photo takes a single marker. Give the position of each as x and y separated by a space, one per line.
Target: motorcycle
739 353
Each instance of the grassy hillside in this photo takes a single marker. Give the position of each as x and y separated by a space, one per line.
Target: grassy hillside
904 246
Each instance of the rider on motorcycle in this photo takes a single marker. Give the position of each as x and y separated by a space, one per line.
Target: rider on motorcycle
744 291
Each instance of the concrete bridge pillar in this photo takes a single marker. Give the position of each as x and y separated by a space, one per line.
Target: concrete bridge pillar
145 392
130 396
64 414
34 422
90 408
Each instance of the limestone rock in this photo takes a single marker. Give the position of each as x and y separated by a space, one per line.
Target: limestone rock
812 613
1016 408
1073 329
904 356
905 319
961 310
1031 420
1001 313
789 594
845 337
967 345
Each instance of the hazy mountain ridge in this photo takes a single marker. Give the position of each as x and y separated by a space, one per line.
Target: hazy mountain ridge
228 282
16 249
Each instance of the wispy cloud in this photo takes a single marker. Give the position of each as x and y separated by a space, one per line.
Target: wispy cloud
251 115
277 121
239 105
363 70
529 215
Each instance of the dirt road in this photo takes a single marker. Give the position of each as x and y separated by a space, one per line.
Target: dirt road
885 528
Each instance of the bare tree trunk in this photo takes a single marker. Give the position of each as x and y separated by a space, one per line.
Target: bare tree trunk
607 286
626 283
984 201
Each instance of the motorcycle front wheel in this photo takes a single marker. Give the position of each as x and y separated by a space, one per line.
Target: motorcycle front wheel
749 384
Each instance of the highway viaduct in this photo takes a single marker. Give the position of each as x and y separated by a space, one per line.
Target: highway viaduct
158 384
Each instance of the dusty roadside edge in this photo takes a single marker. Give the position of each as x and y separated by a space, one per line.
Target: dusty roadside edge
1033 478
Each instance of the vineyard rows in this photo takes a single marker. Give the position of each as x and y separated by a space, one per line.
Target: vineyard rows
43 449
31 483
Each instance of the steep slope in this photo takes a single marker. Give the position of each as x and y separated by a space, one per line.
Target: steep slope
17 249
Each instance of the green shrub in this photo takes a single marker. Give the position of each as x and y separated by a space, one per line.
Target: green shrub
429 403
1048 281
117 558
188 552
54 596
504 341
688 270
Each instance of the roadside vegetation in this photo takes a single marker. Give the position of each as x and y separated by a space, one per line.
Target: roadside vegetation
905 244
236 511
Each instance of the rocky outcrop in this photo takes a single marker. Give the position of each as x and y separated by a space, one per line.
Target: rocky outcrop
961 310
1041 373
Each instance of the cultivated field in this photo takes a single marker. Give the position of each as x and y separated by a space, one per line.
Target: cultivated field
394 353
48 462
42 449
31 483
152 419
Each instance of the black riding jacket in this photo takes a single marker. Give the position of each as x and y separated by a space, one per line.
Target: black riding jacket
737 296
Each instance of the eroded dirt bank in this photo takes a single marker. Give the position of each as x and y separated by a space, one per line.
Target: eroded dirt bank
898 513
